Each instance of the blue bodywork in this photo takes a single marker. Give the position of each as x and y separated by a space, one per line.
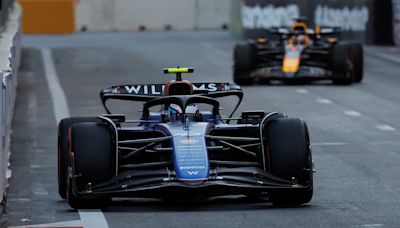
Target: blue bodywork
189 149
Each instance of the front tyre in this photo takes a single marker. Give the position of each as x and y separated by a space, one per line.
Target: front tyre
289 157
340 64
62 150
244 62
92 151
357 58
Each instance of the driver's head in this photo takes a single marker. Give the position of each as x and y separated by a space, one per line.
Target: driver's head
301 39
192 109
174 112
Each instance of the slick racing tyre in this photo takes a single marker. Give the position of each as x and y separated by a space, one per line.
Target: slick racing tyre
288 156
357 58
62 150
340 64
92 149
244 62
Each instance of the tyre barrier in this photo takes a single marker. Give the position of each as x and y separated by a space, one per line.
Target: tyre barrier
10 53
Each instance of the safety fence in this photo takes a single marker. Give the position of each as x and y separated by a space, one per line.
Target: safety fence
368 21
10 53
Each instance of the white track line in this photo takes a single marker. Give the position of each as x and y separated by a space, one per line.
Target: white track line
385 128
57 93
88 218
302 91
372 225
222 53
93 218
324 101
387 57
352 113
329 144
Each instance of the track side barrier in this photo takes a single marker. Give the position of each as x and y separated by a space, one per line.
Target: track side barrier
10 53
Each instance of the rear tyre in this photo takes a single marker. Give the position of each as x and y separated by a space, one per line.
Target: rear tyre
357 58
62 148
244 62
289 157
341 64
92 150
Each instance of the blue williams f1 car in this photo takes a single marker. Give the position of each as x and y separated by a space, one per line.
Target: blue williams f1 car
181 152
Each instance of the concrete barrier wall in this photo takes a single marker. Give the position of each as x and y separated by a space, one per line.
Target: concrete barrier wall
10 53
132 15
362 20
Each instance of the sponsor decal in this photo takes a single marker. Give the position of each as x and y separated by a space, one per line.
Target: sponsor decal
211 87
257 17
189 141
349 19
191 173
145 89
157 89
264 17
192 167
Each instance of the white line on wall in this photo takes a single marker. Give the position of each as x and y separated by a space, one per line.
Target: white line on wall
385 128
94 218
324 101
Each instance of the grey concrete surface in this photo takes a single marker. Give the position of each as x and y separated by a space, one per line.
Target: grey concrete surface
355 131
129 15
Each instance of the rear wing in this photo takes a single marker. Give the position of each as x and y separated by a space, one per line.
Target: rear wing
147 92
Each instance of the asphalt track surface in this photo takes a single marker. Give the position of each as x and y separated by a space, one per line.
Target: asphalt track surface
355 131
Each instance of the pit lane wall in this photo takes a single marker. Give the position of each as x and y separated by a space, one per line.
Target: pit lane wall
10 53
367 21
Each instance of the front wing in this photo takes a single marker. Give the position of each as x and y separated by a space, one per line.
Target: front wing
163 184
305 72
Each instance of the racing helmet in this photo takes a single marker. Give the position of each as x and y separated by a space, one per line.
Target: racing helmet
192 112
174 112
301 39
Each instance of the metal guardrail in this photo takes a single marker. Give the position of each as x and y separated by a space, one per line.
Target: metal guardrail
5 6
